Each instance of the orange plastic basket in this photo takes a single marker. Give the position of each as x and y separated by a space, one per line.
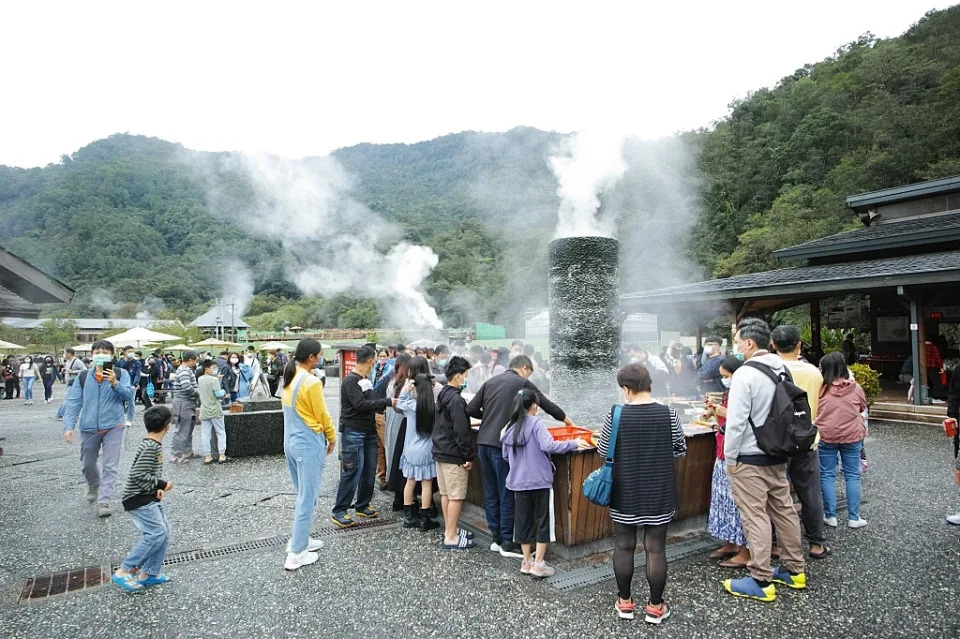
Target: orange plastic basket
569 433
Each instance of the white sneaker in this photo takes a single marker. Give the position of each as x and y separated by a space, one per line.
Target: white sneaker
857 523
127 423
541 569
494 547
299 560
831 521
313 545
954 519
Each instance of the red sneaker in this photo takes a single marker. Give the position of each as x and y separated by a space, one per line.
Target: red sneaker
625 608
656 614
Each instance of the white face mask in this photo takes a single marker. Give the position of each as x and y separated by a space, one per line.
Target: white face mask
726 381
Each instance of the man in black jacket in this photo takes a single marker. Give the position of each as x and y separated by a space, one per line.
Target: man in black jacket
493 404
358 448
453 451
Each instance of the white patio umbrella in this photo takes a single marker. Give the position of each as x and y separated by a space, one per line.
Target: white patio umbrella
178 348
82 348
10 346
272 346
213 342
139 336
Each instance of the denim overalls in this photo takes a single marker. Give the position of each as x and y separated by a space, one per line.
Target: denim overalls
306 452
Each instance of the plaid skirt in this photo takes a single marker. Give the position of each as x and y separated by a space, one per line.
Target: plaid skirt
724 519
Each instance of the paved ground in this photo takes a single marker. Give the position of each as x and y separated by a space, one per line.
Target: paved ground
899 577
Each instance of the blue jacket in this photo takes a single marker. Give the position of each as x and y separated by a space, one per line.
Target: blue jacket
97 406
134 368
709 375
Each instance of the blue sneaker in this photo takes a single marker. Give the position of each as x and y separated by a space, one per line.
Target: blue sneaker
126 582
749 588
343 521
782 576
154 580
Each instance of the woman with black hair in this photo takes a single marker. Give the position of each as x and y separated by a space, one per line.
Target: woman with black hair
527 446
644 493
48 373
308 437
842 431
724 521
501 363
395 430
418 403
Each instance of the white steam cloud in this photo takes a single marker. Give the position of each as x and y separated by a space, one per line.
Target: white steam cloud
102 300
333 244
589 166
238 287
149 307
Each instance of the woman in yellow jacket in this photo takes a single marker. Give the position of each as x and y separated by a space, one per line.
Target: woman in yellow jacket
308 437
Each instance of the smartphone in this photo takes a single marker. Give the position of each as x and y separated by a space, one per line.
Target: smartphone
108 366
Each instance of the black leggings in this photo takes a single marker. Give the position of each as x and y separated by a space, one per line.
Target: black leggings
655 548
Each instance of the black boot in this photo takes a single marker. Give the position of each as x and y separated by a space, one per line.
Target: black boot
426 523
411 517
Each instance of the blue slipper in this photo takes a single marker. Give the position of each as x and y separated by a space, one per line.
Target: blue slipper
462 544
128 583
154 580
749 588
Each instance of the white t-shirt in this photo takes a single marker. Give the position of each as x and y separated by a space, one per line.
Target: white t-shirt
28 370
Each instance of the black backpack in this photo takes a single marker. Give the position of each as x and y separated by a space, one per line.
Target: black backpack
788 429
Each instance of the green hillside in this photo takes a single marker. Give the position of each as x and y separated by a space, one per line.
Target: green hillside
130 217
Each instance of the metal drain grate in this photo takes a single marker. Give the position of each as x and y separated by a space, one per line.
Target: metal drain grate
43 586
59 583
592 575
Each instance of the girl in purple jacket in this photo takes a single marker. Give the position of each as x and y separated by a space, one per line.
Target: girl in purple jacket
527 446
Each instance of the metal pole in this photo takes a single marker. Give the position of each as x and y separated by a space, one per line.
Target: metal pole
915 349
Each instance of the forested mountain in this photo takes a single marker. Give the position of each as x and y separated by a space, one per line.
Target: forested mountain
129 217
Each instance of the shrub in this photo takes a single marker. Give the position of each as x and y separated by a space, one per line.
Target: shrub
869 379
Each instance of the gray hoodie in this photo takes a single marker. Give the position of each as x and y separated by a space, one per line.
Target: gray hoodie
751 395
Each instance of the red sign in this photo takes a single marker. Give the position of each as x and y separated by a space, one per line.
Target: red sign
936 315
349 359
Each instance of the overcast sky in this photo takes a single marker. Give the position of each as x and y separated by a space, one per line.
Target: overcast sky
300 79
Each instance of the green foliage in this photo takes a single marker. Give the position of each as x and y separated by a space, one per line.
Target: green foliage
878 114
129 214
869 379
56 334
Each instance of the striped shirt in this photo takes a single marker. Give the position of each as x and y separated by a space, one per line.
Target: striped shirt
185 384
644 491
144 479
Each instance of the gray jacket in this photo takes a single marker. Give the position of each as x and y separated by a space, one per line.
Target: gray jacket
751 396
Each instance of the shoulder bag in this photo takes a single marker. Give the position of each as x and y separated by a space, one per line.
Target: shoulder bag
599 484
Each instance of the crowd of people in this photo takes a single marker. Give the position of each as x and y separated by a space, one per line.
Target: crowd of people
405 418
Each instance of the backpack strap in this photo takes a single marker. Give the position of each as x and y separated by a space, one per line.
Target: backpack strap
83 379
614 429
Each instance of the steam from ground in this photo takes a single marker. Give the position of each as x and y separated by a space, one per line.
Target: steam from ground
238 287
332 243
588 166
102 300
149 307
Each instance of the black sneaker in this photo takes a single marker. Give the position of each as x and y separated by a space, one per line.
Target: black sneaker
511 549
366 513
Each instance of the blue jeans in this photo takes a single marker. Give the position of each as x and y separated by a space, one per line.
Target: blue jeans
850 460
28 388
306 469
358 471
497 500
148 554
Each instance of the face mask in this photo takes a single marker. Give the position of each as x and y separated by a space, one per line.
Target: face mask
129 355
726 381
442 363
234 361
463 386
739 356
100 360
28 361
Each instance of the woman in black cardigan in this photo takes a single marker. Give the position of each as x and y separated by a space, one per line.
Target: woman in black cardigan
644 491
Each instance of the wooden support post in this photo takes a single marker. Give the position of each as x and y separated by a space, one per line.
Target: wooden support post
816 340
